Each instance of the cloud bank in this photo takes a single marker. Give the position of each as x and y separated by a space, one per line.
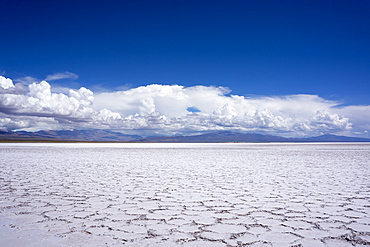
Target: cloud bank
175 109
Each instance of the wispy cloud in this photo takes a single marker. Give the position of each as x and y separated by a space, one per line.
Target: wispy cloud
26 80
169 109
63 75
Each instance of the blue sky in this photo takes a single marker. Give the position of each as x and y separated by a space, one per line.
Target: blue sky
257 49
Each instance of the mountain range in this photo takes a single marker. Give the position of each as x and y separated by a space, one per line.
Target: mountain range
111 136
68 135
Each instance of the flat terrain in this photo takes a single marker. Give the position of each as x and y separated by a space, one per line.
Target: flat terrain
141 194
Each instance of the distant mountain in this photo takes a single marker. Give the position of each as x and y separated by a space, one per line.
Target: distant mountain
68 135
334 138
228 136
218 136
213 137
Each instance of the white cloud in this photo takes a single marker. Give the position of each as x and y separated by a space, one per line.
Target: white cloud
63 75
164 109
6 83
39 105
359 115
8 87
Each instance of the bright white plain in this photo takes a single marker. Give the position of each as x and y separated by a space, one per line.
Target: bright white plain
314 194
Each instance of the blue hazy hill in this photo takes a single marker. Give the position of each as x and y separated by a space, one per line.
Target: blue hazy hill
212 137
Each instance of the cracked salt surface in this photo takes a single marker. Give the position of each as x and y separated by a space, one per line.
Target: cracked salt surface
185 194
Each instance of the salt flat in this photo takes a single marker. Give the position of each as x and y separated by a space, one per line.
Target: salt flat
314 194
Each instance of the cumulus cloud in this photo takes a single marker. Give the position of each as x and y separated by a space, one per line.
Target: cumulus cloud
63 75
359 115
6 83
40 105
174 109
166 107
8 87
